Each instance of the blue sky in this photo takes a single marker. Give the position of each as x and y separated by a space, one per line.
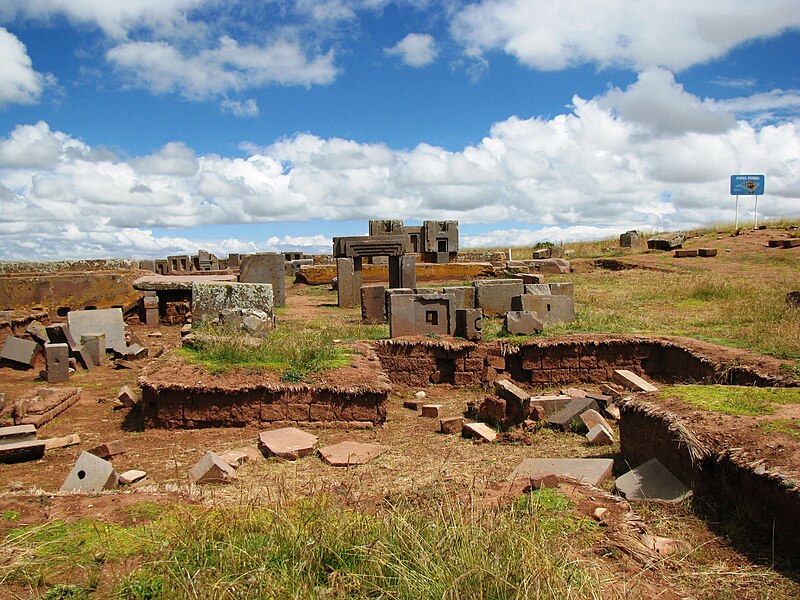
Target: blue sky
153 127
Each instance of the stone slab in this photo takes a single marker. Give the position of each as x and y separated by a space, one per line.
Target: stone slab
59 333
17 433
651 480
631 381
706 252
20 351
592 471
551 404
288 442
479 431
38 332
127 396
591 418
90 474
210 299
432 411
569 416
345 454
211 469
95 345
494 297
131 476
600 436
107 321
160 283
62 442
520 322
109 449
22 451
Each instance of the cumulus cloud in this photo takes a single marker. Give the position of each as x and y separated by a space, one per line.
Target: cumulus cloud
161 67
19 82
415 50
672 33
248 108
618 161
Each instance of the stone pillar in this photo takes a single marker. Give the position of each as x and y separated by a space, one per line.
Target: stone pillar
403 271
349 279
57 360
373 304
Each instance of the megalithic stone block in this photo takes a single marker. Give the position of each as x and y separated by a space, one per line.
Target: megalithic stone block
57 362
519 322
60 333
38 332
373 304
211 469
95 345
90 474
107 321
469 323
348 281
288 442
651 480
631 381
19 444
20 351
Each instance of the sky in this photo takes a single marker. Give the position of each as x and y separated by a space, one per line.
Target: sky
148 128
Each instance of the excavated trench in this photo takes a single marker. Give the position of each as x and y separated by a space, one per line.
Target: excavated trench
176 397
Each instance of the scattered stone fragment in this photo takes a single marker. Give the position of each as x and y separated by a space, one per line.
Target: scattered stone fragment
415 404
631 381
84 358
186 330
62 442
432 411
90 474
591 418
345 454
592 471
121 363
211 469
651 480
20 351
38 332
569 416
131 476
288 442
135 352
518 401
45 405
109 449
706 252
479 431
685 253
420 395
573 393
610 391
235 458
600 436
127 396
791 243
602 399
665 546
612 410
18 443
599 514
451 425
155 334
550 404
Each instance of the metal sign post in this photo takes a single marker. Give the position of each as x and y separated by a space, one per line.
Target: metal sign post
750 185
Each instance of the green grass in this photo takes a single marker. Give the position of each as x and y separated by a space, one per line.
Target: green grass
788 426
734 400
314 548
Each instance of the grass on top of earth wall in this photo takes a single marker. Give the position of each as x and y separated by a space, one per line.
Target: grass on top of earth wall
733 399
316 548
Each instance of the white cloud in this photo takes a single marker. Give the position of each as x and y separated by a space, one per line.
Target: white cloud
626 159
248 108
415 50
162 67
672 33
19 83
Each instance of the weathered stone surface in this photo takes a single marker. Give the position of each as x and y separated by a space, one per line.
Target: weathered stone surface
479 431
469 324
62 442
592 471
665 242
600 436
345 454
518 401
210 299
518 322
128 397
415 404
107 321
90 474
17 433
420 314
706 252
451 425
95 346
631 381
569 416
57 362
651 480
109 449
235 458
629 238
45 405
131 476
211 469
549 309
349 279
267 267
159 283
592 418
373 304
664 546
18 443
494 297
432 411
685 253
59 333
549 265
20 351
551 404
38 332
288 442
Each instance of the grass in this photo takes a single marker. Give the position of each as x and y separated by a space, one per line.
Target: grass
314 548
788 426
734 400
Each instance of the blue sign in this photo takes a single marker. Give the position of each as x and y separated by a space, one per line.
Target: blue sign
747 185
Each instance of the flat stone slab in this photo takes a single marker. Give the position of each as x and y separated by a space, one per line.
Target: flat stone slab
651 480
551 404
90 474
158 283
22 451
631 381
592 471
20 351
480 431
107 321
132 476
288 442
17 433
345 454
569 416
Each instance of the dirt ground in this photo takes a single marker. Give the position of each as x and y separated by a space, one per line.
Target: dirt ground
419 458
